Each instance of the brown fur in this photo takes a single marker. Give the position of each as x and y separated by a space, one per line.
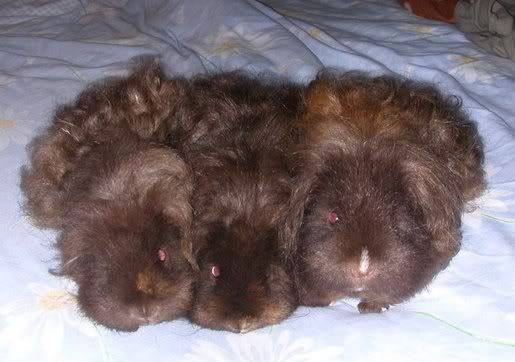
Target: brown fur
126 200
137 104
236 131
396 161
117 198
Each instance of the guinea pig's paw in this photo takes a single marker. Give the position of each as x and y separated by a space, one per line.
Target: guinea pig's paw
372 307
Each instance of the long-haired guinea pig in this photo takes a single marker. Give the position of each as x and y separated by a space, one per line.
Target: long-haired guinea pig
138 104
385 167
125 237
245 283
240 201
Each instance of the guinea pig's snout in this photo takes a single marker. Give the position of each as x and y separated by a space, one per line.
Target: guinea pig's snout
145 314
141 314
151 314
247 325
243 325
146 310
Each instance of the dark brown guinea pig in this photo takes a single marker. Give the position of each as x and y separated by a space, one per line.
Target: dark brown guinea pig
239 132
245 283
127 225
137 104
385 167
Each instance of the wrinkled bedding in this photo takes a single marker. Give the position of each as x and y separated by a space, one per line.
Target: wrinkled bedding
50 50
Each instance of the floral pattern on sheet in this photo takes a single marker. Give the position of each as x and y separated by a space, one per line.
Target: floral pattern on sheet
14 128
470 69
422 29
41 322
39 318
229 41
263 347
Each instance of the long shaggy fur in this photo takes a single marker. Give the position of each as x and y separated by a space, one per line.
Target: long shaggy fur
385 168
137 104
119 198
236 133
115 212
128 203
360 181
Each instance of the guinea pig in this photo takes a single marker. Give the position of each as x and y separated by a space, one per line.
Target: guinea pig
385 167
245 283
236 145
125 237
137 104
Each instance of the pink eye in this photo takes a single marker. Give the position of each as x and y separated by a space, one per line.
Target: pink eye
162 255
215 271
332 217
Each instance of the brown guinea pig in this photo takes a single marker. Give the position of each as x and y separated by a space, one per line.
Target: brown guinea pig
385 167
137 104
245 283
237 130
123 240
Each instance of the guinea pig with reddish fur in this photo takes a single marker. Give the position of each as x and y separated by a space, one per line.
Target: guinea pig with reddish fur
126 234
385 167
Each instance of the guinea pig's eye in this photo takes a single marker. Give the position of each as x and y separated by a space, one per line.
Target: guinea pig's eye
162 255
215 271
332 217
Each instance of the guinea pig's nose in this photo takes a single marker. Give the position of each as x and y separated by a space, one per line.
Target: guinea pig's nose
144 312
138 314
243 325
246 325
151 314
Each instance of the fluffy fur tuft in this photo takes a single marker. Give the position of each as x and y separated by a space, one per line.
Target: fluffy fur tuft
137 104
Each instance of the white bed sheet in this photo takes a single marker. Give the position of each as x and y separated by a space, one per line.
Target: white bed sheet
50 50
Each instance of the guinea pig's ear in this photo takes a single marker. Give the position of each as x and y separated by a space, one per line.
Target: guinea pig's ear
145 99
322 98
325 123
436 193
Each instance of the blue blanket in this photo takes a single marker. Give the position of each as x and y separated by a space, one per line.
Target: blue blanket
50 50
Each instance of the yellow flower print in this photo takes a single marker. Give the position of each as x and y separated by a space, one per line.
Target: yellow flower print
38 324
13 129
